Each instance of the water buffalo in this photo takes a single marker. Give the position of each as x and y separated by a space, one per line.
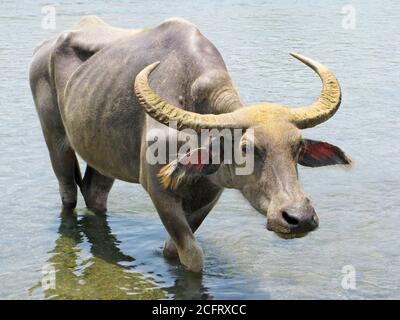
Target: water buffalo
98 90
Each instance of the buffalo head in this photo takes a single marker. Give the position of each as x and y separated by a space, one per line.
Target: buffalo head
276 142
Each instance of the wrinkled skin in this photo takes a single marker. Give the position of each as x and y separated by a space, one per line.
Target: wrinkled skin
82 87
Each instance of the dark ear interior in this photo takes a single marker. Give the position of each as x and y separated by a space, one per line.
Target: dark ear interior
318 154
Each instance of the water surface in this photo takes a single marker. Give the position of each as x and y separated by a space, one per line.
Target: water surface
120 256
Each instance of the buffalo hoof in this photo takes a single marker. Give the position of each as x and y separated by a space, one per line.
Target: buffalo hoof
97 210
170 251
192 257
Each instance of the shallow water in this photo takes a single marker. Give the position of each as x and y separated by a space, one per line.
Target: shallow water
120 256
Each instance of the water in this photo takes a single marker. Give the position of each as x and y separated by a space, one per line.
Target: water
120 257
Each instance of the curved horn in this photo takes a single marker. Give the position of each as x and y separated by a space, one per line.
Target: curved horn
164 112
328 102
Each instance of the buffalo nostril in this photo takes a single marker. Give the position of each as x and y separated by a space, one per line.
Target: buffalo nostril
290 219
315 220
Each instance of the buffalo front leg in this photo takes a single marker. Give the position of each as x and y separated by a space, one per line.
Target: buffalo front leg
95 189
195 218
173 217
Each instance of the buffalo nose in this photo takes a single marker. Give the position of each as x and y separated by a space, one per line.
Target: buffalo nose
300 222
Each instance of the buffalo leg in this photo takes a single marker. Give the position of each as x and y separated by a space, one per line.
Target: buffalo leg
66 169
62 156
173 217
95 189
195 219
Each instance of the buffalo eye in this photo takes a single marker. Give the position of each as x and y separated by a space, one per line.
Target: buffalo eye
248 149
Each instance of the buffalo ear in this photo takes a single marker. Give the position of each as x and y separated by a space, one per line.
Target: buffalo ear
318 154
195 164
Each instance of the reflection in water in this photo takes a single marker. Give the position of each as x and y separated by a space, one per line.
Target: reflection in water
189 286
106 273
102 275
